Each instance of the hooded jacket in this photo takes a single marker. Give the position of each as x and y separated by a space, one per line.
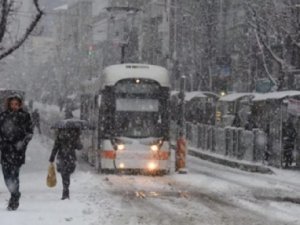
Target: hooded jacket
15 133
66 142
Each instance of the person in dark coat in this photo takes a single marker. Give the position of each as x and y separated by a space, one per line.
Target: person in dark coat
237 121
66 142
68 113
15 134
289 135
250 125
36 120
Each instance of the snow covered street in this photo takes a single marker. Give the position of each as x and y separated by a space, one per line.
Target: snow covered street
210 194
154 112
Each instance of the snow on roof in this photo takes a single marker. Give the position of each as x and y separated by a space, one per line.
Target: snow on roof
276 95
72 96
115 73
210 94
62 7
174 93
236 96
194 94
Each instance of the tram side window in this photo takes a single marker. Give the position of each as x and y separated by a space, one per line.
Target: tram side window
107 110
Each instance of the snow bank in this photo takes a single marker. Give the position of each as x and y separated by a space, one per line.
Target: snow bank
42 205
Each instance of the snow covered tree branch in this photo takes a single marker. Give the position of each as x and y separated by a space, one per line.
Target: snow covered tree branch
275 26
6 9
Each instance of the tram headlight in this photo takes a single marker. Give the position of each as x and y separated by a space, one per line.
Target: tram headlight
121 165
154 148
152 166
120 147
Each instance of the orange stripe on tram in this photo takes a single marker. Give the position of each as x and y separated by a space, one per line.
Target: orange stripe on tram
111 154
162 155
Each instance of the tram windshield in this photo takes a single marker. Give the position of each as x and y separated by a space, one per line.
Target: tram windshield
137 124
137 113
137 118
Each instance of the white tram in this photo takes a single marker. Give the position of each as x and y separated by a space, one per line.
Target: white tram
129 104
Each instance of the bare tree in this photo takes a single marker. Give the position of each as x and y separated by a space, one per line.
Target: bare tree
7 11
275 25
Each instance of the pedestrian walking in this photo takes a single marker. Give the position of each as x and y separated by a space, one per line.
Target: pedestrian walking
68 113
236 121
250 125
36 120
15 134
66 142
289 135
30 105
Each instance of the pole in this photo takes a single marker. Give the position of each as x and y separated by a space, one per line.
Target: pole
182 105
280 143
181 150
175 32
123 53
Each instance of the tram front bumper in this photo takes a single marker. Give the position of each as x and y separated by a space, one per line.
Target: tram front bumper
122 162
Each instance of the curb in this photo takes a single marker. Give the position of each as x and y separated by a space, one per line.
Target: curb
227 162
230 163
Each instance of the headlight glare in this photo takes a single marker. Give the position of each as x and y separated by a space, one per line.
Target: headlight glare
120 147
154 148
152 166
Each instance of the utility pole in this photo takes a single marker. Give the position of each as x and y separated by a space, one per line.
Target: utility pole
181 147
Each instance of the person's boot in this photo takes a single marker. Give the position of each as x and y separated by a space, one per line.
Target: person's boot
65 194
13 203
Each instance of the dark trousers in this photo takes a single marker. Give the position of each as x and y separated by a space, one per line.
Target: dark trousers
11 178
66 180
65 168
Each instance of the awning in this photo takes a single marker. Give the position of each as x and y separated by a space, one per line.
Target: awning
276 95
235 96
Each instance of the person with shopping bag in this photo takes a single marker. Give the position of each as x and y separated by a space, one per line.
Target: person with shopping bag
66 142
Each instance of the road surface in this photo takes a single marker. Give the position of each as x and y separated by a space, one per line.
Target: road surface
209 194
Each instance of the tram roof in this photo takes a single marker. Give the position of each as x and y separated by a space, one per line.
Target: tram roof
113 74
